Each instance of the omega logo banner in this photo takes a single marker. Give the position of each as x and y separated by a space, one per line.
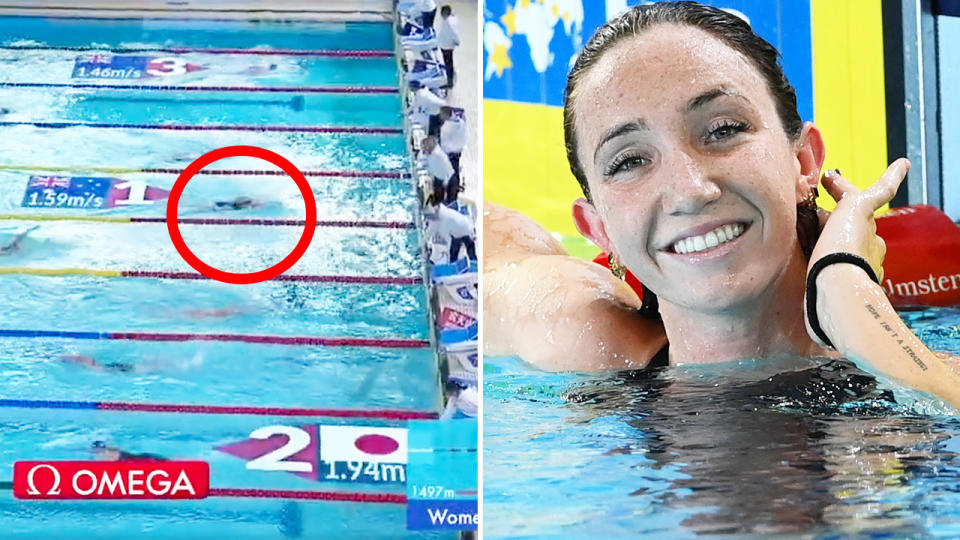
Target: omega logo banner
111 480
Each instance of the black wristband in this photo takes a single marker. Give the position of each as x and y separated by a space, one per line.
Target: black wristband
824 262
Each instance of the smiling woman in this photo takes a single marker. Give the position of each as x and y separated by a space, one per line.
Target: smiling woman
698 176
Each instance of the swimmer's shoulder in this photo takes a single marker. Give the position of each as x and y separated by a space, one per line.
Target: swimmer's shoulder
554 310
508 234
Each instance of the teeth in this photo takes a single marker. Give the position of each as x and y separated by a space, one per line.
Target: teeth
712 239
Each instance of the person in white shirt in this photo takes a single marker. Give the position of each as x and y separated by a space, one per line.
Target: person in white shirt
446 183
453 135
428 10
455 226
448 38
426 107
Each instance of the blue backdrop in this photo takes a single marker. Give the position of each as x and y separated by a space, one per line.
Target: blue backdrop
529 45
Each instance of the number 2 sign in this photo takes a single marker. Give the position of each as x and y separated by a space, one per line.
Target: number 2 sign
291 449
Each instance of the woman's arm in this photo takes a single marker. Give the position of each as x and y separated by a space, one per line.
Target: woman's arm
855 312
553 310
861 322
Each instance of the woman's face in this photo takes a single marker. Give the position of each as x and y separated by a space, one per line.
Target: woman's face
694 182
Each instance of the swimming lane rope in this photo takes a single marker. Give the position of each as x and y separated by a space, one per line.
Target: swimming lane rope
217 172
334 53
214 221
178 408
392 343
396 498
187 127
160 274
158 88
342 496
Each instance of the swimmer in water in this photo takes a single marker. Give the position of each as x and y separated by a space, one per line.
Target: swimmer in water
102 452
239 203
261 69
4 110
14 245
699 177
87 361
149 365
216 313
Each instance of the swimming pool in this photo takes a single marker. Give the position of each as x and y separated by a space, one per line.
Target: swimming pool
802 448
341 338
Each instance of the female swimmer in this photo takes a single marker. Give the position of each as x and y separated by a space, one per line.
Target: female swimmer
683 133
104 452
14 245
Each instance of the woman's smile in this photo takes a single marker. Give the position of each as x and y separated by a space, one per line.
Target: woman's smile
718 242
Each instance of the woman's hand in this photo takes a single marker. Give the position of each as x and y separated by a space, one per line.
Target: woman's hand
856 314
851 227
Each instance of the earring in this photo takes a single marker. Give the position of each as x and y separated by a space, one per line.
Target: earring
811 200
615 268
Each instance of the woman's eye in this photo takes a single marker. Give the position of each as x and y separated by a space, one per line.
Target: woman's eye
625 163
725 130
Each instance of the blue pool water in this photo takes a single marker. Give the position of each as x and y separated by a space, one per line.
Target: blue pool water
155 33
191 372
220 69
785 448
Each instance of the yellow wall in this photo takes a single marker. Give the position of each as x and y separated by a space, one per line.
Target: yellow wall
524 164
848 88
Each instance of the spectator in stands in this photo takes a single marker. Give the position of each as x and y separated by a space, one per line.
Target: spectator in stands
446 183
453 136
455 226
448 38
426 107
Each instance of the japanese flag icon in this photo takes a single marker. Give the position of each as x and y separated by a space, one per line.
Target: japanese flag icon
363 443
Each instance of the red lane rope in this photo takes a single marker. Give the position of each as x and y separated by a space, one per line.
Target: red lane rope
378 280
334 53
249 172
280 222
166 88
392 498
185 127
246 172
388 414
245 338
274 340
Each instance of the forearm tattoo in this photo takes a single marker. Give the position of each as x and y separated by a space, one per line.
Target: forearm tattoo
896 337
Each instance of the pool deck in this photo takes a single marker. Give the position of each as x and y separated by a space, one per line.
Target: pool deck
466 92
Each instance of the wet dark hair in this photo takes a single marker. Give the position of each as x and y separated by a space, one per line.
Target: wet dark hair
729 29
445 11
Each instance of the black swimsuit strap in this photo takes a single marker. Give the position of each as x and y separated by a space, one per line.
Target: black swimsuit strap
661 359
